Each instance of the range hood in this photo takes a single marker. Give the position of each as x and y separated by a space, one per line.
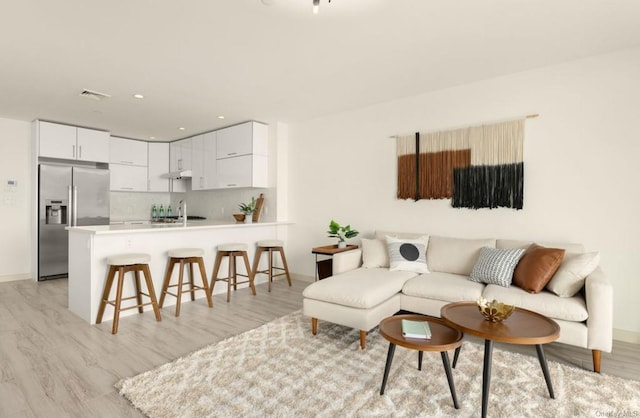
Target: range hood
184 174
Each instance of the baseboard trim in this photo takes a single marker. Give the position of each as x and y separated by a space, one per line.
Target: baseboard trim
302 278
15 277
626 336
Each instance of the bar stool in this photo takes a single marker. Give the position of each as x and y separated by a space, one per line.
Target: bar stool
271 246
123 263
184 256
232 251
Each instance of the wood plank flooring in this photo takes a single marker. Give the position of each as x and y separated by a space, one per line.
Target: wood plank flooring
52 363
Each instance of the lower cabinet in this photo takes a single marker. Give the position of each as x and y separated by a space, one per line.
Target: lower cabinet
128 178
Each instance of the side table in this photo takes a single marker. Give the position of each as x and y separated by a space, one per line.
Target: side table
324 268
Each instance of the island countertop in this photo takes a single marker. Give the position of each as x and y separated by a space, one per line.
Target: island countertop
91 246
165 227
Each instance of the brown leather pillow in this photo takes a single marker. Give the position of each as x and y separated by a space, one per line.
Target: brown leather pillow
536 267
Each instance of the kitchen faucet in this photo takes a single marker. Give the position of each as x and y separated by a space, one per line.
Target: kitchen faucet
182 212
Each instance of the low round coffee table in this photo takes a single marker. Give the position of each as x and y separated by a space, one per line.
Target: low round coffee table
522 327
443 338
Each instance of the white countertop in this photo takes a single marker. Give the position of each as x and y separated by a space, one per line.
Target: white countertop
191 225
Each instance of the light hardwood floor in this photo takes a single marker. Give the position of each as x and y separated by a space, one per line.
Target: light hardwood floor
53 364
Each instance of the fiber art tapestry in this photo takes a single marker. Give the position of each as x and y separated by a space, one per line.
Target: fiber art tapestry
476 167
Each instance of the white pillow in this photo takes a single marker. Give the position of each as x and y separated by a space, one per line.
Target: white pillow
408 254
374 253
569 278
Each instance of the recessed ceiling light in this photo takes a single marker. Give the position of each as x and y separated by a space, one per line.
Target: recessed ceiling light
138 96
181 128
152 137
220 117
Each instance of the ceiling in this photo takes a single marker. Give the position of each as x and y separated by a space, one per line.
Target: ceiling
269 60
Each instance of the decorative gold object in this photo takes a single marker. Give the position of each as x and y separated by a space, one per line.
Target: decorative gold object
239 217
494 311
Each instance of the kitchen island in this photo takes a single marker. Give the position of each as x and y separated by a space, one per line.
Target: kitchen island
89 247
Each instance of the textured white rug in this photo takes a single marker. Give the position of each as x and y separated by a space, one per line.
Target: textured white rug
281 370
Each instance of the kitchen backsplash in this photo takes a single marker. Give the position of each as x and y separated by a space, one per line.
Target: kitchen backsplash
212 204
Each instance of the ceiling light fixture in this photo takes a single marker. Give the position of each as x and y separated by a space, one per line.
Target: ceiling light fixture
181 128
316 6
138 96
220 117
152 137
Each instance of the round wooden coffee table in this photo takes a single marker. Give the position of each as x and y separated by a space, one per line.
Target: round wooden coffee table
522 327
443 338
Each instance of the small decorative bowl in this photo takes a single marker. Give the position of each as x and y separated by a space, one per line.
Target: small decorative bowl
494 311
239 217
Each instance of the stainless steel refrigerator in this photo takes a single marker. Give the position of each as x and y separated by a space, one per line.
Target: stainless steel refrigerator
67 196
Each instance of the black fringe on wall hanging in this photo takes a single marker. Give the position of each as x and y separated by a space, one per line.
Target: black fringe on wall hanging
488 186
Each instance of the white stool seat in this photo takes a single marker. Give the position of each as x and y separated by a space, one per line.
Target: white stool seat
186 252
271 243
232 247
128 259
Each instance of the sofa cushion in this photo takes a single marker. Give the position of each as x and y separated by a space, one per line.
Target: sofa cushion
374 253
545 303
359 288
455 255
536 267
408 254
569 278
443 286
495 266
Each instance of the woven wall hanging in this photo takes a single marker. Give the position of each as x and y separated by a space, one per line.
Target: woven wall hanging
475 167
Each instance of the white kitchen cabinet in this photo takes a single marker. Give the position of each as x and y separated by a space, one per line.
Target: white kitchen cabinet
203 162
244 139
128 178
158 166
180 155
128 151
243 171
72 143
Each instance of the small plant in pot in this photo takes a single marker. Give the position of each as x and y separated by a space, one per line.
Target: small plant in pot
341 232
247 209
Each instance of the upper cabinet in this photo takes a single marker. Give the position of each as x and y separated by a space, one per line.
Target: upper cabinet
180 152
244 139
128 151
203 161
71 143
158 167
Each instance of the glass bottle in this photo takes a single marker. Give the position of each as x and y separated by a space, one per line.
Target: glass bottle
161 211
154 212
169 212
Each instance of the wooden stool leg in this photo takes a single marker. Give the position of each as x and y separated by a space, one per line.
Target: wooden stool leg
193 296
270 271
179 293
205 285
284 264
105 293
214 275
116 312
232 262
138 290
249 272
152 293
167 280
235 272
256 261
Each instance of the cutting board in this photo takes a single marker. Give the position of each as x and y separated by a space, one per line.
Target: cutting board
258 211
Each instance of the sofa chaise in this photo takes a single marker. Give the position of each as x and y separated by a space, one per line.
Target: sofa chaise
364 289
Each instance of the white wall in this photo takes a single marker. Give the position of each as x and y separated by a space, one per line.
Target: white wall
15 202
581 167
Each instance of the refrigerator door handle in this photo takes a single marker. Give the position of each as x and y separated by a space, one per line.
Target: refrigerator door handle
69 202
75 205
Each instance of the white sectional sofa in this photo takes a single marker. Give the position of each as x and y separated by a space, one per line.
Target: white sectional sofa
359 296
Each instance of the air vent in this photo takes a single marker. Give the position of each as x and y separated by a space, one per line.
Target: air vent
95 95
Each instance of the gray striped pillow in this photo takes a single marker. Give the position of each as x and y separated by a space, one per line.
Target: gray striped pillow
496 265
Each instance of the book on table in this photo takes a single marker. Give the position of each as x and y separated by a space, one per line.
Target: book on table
416 329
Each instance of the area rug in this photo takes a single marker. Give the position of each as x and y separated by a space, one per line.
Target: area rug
281 370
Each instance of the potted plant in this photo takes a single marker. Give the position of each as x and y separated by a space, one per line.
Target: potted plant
248 209
341 232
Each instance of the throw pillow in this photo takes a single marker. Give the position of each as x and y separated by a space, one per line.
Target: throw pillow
536 267
408 254
374 253
569 278
496 265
